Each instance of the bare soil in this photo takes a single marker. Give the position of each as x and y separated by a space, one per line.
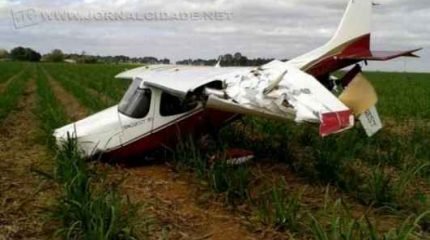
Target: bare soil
178 208
23 195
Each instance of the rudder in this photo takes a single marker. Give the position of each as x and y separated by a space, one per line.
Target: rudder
355 23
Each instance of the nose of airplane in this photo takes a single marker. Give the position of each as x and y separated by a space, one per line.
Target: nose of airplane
63 137
64 133
69 132
95 133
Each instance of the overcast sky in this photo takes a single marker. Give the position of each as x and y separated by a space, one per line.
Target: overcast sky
257 28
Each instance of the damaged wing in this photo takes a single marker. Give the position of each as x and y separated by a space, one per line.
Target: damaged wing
276 90
280 90
178 80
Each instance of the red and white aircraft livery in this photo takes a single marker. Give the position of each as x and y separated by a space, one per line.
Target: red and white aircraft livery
166 101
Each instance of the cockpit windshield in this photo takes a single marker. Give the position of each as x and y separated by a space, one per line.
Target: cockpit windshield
136 101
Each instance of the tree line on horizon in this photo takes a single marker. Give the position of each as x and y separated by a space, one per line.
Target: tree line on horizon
56 55
21 54
228 59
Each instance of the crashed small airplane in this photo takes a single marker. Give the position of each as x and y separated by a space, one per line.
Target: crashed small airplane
164 102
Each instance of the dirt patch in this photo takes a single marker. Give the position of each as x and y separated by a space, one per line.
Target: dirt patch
22 200
178 211
73 108
405 127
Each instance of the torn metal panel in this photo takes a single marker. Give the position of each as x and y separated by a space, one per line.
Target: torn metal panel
215 102
359 95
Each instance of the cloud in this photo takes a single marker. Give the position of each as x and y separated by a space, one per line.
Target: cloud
271 28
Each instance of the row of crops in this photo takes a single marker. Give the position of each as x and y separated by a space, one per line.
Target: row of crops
10 69
14 80
93 85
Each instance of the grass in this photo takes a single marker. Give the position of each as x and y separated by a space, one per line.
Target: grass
402 96
223 178
88 211
380 187
14 90
335 221
385 188
188 156
276 208
345 227
10 69
233 181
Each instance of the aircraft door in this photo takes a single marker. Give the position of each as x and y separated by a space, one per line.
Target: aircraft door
136 113
175 117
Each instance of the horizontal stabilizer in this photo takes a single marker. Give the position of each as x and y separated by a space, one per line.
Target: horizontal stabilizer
379 55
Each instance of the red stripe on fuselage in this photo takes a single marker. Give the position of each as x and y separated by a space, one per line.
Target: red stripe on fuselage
196 124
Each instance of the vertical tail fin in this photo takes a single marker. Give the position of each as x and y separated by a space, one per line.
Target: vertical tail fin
352 36
355 23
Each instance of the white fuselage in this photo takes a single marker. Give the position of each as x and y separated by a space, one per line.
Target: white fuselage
110 129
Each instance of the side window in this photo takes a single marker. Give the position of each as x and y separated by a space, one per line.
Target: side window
171 105
137 104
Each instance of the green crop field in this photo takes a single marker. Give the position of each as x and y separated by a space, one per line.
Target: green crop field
299 186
